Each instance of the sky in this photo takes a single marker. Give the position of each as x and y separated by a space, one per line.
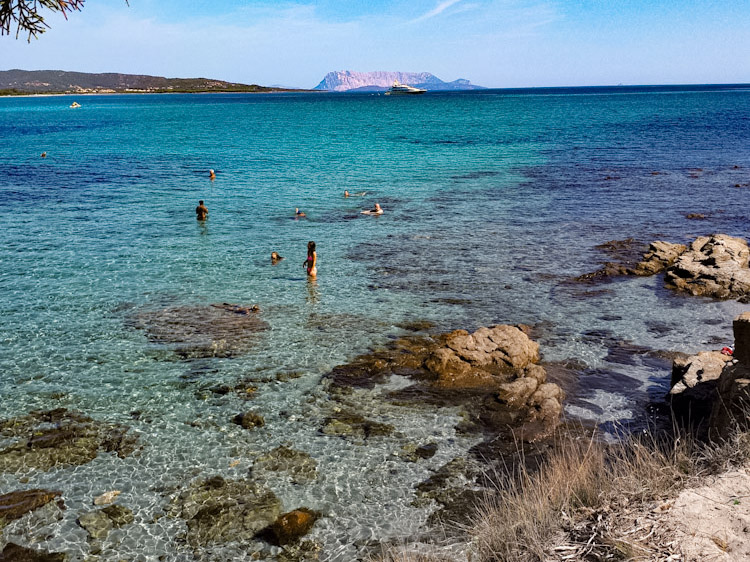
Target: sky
493 43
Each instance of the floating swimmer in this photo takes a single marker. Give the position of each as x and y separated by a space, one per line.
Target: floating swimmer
377 210
298 213
275 258
44 155
211 175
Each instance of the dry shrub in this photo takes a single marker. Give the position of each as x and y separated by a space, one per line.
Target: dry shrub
533 510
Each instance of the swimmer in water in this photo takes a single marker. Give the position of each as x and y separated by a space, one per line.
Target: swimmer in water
299 213
311 263
275 258
201 211
44 155
377 210
346 193
211 175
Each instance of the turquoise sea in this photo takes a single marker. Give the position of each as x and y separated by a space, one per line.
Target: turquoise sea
493 201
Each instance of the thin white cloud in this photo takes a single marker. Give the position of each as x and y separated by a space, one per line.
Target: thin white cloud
437 10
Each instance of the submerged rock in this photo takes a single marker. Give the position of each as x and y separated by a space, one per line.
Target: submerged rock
219 330
249 420
99 523
45 439
17 504
714 266
349 424
291 527
218 510
301 467
17 553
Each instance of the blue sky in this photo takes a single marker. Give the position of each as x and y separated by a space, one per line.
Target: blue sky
495 43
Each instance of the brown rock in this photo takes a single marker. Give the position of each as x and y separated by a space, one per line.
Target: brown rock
660 256
17 553
516 394
249 420
714 266
17 504
292 526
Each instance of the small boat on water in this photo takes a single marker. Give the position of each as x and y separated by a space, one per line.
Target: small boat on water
75 104
402 89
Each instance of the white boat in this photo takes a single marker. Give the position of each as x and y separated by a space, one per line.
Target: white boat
400 89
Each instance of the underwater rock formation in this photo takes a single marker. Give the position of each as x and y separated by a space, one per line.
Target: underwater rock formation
44 439
219 330
218 510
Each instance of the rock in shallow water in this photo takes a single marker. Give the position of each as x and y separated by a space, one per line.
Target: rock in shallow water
460 368
220 330
16 553
300 466
45 439
714 266
17 504
218 510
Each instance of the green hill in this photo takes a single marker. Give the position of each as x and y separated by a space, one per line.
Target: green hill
59 81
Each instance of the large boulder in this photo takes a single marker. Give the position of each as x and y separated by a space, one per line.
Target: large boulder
714 266
713 386
494 367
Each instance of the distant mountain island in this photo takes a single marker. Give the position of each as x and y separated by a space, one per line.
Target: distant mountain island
350 81
62 82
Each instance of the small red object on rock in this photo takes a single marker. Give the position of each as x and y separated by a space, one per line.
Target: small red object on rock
727 351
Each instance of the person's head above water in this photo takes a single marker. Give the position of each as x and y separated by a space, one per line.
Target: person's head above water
346 193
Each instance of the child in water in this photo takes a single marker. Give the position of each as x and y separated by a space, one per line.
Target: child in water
311 262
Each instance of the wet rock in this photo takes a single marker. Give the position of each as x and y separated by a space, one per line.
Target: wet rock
107 497
292 526
411 452
45 439
453 488
249 420
17 504
349 424
303 551
17 553
99 523
300 466
714 266
218 510
220 330
695 216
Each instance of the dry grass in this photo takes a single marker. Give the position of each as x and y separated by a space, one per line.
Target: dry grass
572 501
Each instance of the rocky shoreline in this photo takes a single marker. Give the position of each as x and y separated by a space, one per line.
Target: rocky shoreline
494 377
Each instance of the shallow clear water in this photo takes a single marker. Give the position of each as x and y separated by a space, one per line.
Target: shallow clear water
493 201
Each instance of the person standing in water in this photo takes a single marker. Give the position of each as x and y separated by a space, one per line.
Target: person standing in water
311 263
211 175
201 211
